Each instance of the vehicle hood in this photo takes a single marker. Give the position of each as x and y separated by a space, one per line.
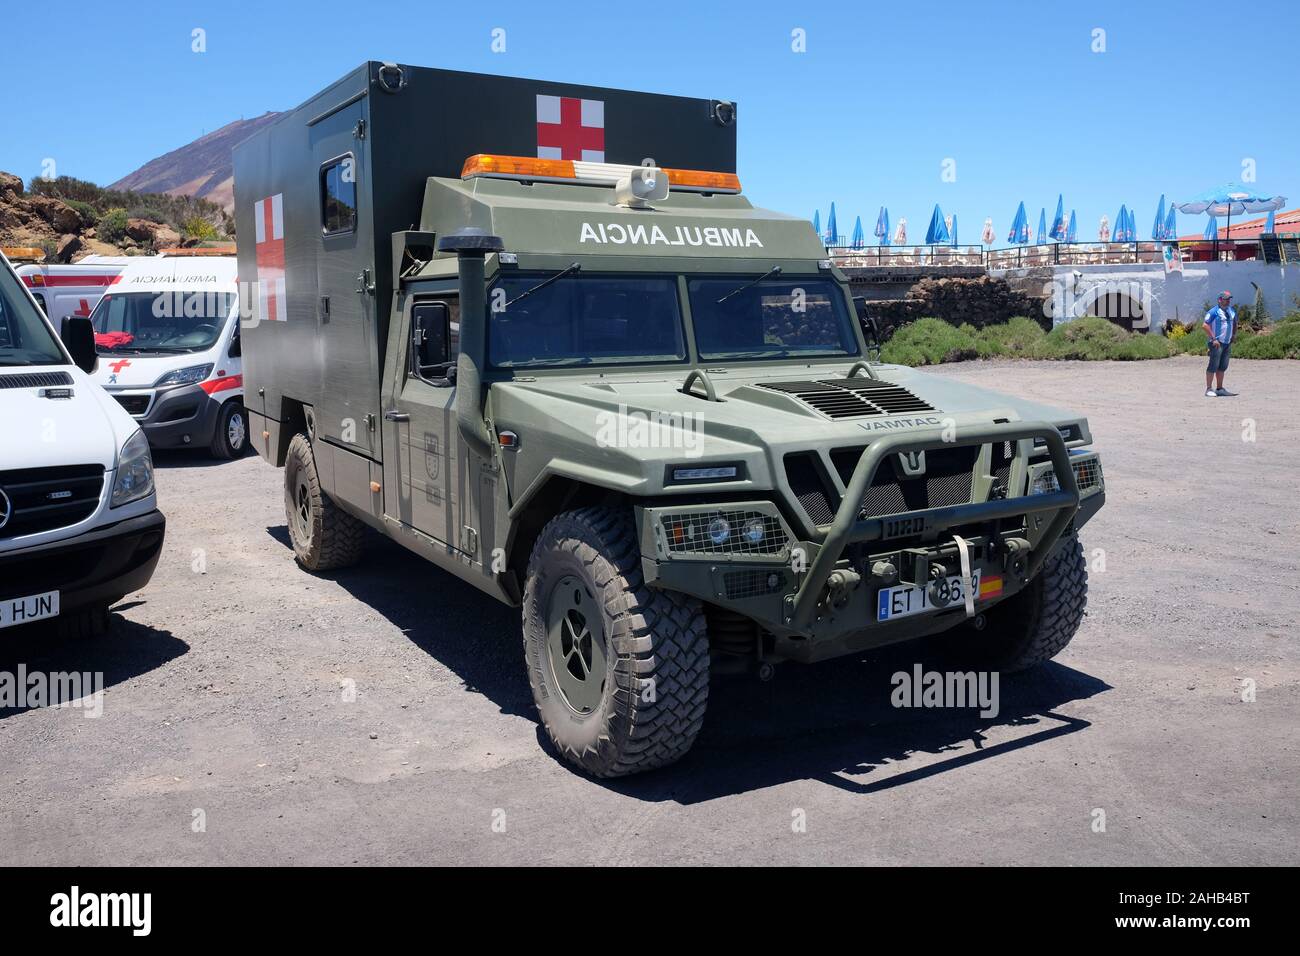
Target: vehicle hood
37 431
119 370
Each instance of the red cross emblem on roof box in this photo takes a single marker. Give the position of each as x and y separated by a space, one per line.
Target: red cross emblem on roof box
570 128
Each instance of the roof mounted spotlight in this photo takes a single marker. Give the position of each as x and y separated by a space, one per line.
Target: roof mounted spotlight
640 186
724 112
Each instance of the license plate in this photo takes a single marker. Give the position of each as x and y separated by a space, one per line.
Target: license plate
907 599
24 610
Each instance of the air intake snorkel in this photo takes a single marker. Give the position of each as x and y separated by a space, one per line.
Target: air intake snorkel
471 246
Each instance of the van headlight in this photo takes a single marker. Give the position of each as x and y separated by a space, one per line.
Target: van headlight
185 376
134 479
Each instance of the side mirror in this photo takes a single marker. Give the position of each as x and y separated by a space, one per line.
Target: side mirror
869 327
79 338
236 349
429 334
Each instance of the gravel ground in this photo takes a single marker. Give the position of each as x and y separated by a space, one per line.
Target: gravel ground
226 736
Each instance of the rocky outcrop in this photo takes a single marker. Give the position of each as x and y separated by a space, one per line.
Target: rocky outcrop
977 301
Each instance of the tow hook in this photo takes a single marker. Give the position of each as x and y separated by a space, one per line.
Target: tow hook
840 584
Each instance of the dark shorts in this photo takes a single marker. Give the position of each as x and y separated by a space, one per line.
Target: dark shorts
1219 358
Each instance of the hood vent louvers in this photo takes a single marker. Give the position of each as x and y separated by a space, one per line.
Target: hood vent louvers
852 398
35 380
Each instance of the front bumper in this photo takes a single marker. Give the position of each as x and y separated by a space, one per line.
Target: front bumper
175 417
818 598
98 567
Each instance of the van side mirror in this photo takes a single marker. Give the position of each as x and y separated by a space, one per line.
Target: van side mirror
430 331
236 349
79 338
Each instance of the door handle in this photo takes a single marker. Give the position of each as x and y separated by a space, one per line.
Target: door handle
393 415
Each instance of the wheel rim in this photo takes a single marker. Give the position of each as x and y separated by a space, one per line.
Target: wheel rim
236 432
575 645
302 511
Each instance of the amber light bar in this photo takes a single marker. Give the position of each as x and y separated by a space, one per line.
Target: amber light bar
579 171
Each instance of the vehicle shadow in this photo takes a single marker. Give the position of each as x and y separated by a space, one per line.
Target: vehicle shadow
128 650
831 721
197 457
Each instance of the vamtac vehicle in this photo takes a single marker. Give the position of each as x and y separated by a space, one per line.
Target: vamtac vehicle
167 332
534 333
79 521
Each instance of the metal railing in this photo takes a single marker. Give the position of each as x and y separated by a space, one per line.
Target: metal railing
1050 254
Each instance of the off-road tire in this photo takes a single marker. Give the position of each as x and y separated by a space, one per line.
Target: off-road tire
83 624
1035 625
221 446
325 537
656 684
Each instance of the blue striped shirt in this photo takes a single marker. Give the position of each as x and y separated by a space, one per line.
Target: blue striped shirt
1223 325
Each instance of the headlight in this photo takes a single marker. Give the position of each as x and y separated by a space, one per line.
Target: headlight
754 530
719 531
185 376
134 478
1044 484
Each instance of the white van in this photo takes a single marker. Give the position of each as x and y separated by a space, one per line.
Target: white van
71 289
167 333
79 522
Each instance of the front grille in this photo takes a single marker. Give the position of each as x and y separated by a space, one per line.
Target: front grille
946 481
806 482
41 499
852 398
35 380
689 533
752 583
134 404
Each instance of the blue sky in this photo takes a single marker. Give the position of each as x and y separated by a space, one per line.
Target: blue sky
1012 92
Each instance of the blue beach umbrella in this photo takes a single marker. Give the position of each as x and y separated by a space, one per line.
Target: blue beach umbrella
937 234
859 239
831 233
1158 229
1171 224
1072 230
817 223
1270 226
1211 229
1058 221
1232 199
1019 233
1132 226
953 229
882 226
1121 225
1041 238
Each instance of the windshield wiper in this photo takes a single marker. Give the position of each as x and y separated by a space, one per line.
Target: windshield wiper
775 270
573 267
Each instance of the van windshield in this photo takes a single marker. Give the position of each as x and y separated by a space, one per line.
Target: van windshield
160 322
25 339
584 320
739 318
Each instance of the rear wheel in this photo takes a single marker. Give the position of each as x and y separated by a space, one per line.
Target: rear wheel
230 440
324 536
619 670
1033 626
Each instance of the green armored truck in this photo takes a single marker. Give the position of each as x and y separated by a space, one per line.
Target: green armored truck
533 332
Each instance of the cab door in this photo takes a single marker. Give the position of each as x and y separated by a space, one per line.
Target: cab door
420 424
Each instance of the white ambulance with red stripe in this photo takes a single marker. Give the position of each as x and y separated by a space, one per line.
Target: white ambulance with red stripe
167 333
72 289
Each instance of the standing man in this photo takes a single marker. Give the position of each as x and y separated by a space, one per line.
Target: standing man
1220 325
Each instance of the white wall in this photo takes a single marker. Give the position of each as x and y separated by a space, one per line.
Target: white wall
1073 290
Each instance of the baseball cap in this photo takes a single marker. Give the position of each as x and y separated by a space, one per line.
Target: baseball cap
1225 294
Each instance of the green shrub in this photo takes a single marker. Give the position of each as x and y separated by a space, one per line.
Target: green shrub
1281 342
1262 315
1015 338
84 209
930 342
1093 338
196 227
111 226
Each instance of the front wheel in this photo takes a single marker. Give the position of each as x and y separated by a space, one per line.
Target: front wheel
619 670
1033 626
230 440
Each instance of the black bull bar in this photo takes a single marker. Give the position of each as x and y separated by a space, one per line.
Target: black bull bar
850 526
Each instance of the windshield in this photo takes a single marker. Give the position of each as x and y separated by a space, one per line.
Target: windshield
584 320
772 318
161 322
25 339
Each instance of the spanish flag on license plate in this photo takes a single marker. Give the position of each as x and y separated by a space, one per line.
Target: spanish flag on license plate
990 586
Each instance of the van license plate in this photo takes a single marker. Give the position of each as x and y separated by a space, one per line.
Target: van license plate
907 599
24 610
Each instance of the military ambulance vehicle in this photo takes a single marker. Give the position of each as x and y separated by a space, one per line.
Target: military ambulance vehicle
79 521
534 332
167 332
